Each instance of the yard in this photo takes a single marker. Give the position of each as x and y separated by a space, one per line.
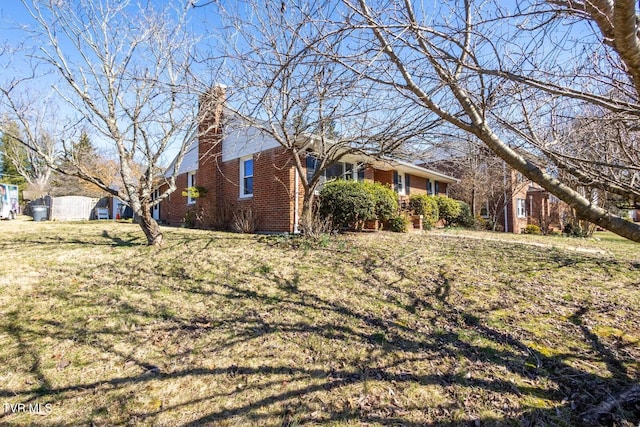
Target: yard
445 328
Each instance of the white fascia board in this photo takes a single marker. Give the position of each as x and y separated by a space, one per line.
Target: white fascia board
416 170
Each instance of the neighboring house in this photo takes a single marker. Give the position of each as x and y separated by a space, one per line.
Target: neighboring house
545 210
526 204
503 196
511 216
245 171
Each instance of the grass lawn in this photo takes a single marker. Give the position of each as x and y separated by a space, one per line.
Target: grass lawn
445 328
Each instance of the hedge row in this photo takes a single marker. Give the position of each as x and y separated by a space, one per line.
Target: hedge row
350 203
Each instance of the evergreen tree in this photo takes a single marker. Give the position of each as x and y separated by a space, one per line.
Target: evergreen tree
12 152
82 154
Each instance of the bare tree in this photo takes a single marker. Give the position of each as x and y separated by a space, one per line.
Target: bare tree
29 164
121 70
512 76
281 83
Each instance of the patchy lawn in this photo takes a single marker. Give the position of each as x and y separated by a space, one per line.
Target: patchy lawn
443 328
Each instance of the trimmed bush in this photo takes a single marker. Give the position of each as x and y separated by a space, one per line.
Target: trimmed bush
347 203
449 209
399 223
427 206
385 199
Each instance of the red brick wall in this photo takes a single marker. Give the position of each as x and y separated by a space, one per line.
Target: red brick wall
545 211
272 202
209 175
417 185
383 177
518 191
174 207
369 173
273 195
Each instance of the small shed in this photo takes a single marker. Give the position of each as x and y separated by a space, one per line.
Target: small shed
71 208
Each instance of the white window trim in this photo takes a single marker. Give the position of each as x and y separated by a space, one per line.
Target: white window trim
401 183
154 197
191 182
242 177
521 208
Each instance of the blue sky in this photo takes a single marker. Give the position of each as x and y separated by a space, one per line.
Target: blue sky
203 19
14 18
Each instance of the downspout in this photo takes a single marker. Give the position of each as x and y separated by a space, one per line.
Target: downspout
504 184
296 197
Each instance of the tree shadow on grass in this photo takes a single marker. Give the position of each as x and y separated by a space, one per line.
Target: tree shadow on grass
370 390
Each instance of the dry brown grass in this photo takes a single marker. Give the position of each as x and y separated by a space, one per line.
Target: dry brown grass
372 329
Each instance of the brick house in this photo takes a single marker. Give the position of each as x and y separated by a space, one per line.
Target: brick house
505 198
523 203
511 207
245 171
545 210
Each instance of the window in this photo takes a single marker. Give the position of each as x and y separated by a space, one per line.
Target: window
398 182
407 184
339 170
312 164
336 171
191 182
360 171
521 208
348 171
246 177
436 191
155 211
429 187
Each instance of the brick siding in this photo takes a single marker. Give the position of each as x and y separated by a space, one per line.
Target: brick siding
417 185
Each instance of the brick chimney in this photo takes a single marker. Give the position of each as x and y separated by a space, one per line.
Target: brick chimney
210 132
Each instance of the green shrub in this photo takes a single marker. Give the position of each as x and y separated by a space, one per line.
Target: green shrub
574 230
399 223
448 209
346 203
482 223
465 217
532 229
427 206
190 219
385 199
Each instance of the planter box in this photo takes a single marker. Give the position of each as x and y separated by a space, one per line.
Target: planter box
373 224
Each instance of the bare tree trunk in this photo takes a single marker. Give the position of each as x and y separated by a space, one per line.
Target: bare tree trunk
473 200
149 226
306 216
